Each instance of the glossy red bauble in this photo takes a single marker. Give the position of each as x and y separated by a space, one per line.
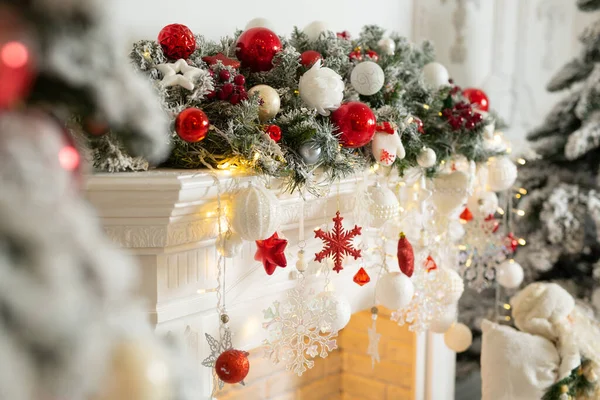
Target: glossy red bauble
232 366
309 57
355 123
256 48
477 98
419 124
192 125
177 41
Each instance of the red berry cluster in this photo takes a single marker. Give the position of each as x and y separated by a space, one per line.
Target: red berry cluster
343 35
358 55
461 115
232 90
274 132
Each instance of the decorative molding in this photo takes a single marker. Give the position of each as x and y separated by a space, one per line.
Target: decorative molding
459 51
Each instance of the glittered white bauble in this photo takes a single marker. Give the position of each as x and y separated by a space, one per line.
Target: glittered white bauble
229 244
260 23
426 158
137 371
367 78
445 321
453 284
321 88
435 75
510 274
255 213
458 338
387 46
394 290
314 29
502 173
342 308
450 192
270 104
384 205
483 203
310 153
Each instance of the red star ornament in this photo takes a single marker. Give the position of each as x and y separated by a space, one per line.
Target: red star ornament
226 61
271 253
338 243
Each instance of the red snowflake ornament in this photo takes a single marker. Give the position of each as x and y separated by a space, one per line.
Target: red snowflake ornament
386 157
271 253
338 243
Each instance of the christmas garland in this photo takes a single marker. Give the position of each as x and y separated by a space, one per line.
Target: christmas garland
317 100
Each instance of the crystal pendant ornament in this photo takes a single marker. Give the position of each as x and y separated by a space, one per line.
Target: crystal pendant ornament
361 278
338 243
374 337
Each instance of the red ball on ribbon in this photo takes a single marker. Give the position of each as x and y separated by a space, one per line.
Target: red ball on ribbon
192 125
356 124
477 98
177 41
256 49
232 366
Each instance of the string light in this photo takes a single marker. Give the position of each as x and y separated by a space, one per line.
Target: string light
507 318
518 195
521 161
256 156
374 168
426 106
522 242
523 191
500 211
520 213
506 306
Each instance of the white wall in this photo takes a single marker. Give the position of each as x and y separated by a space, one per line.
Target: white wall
512 47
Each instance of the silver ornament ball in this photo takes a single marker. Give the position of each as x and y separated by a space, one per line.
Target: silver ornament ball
310 153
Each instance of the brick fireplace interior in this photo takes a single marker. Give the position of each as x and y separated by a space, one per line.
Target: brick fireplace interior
346 374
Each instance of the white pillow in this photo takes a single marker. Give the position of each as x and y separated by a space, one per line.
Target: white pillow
516 365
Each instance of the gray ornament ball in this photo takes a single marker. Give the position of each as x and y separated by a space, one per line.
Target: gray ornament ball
310 153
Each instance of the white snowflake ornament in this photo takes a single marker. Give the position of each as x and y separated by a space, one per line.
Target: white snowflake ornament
386 145
179 73
299 329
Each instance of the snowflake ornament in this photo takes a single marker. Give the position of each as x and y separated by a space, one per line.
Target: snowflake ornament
386 158
216 349
373 349
299 329
338 243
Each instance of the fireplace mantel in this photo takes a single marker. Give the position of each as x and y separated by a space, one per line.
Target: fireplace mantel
167 220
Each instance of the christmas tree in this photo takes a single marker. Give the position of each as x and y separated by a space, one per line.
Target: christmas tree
70 324
562 207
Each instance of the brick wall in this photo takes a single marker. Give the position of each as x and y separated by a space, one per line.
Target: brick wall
346 374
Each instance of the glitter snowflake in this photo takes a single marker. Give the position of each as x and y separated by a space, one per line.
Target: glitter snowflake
216 349
373 349
483 249
299 329
386 157
428 302
338 243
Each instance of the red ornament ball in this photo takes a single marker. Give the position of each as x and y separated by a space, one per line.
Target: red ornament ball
16 72
356 124
356 55
177 41
419 123
232 366
477 98
192 125
309 57
373 55
256 48
274 132
239 80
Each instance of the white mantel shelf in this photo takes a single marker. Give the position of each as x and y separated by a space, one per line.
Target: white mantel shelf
167 219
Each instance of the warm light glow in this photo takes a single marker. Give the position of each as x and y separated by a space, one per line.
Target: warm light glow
426 106
469 262
256 156
522 161
401 184
508 150
68 157
523 191
225 165
14 55
518 195
520 213
507 306
507 318
416 186
402 209
497 138
374 167
462 247
438 238
522 242
442 162
500 211
410 120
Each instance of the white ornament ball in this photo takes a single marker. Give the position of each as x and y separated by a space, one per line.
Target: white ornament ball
342 308
426 158
314 29
384 205
394 290
260 23
510 274
435 75
458 338
450 192
484 203
387 46
454 285
255 213
229 244
321 88
502 173
367 78
271 102
445 321
137 371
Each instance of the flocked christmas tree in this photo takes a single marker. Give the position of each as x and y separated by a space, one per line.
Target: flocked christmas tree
562 208
70 325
